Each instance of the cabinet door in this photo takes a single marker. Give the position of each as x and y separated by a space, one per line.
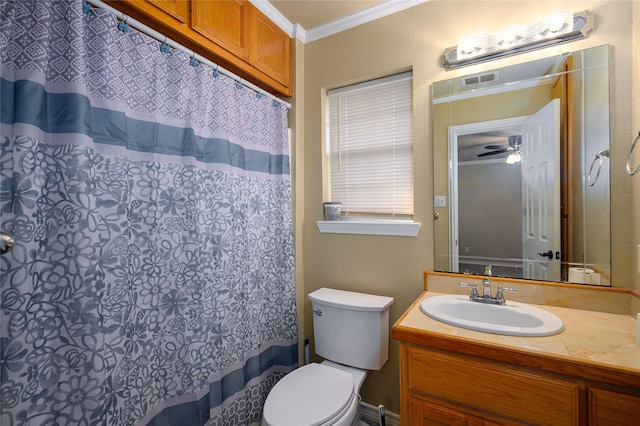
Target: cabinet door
613 408
178 9
270 47
427 414
225 22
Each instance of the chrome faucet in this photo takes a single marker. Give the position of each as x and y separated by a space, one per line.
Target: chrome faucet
486 288
486 293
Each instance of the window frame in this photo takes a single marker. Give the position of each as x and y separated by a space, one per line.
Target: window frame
375 223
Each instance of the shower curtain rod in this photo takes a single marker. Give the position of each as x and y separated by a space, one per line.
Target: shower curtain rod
163 39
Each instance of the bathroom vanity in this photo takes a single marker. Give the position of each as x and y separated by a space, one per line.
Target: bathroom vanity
589 374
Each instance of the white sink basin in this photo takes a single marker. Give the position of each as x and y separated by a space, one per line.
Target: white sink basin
513 319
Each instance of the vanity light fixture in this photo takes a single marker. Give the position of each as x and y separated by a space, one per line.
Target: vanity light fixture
559 27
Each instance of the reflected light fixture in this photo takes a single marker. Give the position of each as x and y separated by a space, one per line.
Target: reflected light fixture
514 158
559 27
515 142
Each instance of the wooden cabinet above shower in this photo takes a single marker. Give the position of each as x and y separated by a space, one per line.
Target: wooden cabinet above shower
232 33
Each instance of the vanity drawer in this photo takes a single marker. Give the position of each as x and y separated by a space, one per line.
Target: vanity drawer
493 388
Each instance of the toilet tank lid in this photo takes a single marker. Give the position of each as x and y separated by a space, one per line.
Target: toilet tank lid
350 300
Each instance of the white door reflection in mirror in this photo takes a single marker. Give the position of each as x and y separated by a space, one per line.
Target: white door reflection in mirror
485 198
541 194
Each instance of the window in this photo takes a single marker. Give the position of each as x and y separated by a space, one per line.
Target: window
369 147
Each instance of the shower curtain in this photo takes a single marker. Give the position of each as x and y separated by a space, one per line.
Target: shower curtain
152 280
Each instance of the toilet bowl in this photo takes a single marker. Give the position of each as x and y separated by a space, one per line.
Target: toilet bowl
351 332
316 395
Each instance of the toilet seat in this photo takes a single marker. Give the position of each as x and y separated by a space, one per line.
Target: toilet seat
312 395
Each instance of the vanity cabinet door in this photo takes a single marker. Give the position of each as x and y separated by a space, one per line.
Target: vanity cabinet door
613 408
426 414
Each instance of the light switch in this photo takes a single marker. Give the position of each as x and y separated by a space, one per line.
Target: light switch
440 201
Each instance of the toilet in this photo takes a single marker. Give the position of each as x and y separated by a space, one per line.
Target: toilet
352 333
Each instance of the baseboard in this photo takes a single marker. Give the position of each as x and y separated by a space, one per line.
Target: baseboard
369 414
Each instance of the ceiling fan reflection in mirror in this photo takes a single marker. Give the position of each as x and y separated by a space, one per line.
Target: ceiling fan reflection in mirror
515 143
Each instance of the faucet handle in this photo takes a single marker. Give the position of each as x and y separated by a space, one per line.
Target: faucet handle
500 296
474 289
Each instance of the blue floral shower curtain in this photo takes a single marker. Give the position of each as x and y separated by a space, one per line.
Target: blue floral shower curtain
152 280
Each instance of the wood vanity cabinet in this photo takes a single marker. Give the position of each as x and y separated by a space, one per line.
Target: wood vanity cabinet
441 387
232 33
587 375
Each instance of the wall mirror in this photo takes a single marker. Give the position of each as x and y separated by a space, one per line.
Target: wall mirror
525 188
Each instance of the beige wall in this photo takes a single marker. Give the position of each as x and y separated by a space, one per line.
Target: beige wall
415 39
296 123
635 129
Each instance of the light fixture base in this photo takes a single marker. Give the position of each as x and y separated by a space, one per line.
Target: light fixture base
461 56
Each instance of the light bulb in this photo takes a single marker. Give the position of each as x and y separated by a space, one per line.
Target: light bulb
556 21
508 36
514 158
467 45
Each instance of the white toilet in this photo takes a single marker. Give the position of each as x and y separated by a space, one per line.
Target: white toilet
352 333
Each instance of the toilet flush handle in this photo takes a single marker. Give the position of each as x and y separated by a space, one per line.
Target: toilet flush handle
317 312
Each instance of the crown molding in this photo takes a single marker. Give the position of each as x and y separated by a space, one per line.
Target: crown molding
299 33
275 16
378 11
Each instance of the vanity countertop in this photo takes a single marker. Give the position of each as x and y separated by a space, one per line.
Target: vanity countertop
593 345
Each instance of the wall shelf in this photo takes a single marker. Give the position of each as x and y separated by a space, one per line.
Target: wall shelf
398 228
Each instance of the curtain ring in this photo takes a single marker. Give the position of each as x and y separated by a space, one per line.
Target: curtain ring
86 7
164 47
193 61
123 25
633 146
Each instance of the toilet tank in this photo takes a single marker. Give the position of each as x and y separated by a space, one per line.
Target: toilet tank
351 328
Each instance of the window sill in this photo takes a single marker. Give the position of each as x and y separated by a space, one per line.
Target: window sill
399 228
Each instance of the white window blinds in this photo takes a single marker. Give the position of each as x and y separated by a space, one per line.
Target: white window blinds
369 147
